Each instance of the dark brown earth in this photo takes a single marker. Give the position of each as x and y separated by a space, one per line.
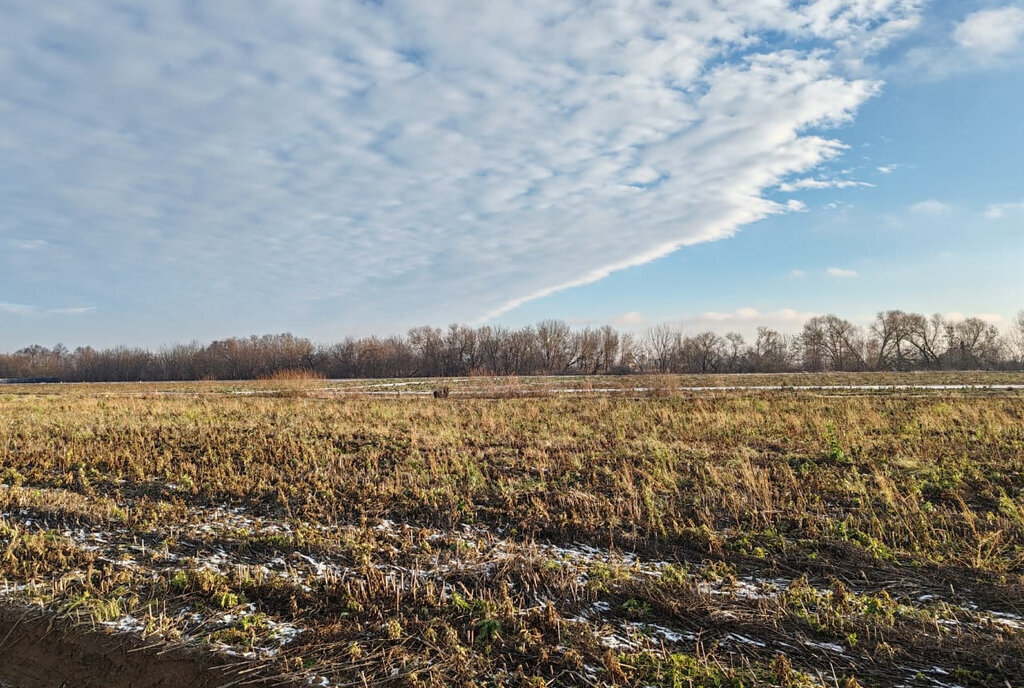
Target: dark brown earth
37 651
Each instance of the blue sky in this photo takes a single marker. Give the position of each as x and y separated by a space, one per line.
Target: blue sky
200 170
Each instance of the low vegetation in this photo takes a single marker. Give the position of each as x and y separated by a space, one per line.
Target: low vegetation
524 533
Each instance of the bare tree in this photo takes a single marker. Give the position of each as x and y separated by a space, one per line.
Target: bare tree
813 350
586 348
972 343
629 354
1016 337
703 353
609 349
770 352
924 335
895 340
554 343
891 349
736 349
428 346
659 343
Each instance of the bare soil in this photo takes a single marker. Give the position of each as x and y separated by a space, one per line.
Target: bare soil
37 651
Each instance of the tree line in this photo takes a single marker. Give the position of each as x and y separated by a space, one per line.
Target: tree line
895 340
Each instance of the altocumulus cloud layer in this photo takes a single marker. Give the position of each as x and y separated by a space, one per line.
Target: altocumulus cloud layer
432 160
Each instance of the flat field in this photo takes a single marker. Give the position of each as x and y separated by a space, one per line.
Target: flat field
564 532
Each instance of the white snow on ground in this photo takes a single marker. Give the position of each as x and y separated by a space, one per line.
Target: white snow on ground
532 385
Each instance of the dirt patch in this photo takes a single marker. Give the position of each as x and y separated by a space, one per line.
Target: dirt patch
38 651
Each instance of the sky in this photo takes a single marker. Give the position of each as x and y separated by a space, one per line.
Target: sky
181 170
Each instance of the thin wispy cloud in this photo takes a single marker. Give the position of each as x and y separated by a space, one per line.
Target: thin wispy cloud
81 310
812 183
930 207
888 169
16 308
28 244
997 211
841 272
430 160
29 310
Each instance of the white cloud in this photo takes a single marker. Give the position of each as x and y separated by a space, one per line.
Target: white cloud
984 39
17 308
990 318
25 309
811 183
345 160
997 211
632 319
28 244
81 310
748 314
841 272
888 169
715 316
744 320
790 315
992 32
930 207
796 274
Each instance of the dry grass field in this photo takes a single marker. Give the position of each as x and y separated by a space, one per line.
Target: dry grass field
567 532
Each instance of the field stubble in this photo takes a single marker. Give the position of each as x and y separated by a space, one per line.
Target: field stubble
656 538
